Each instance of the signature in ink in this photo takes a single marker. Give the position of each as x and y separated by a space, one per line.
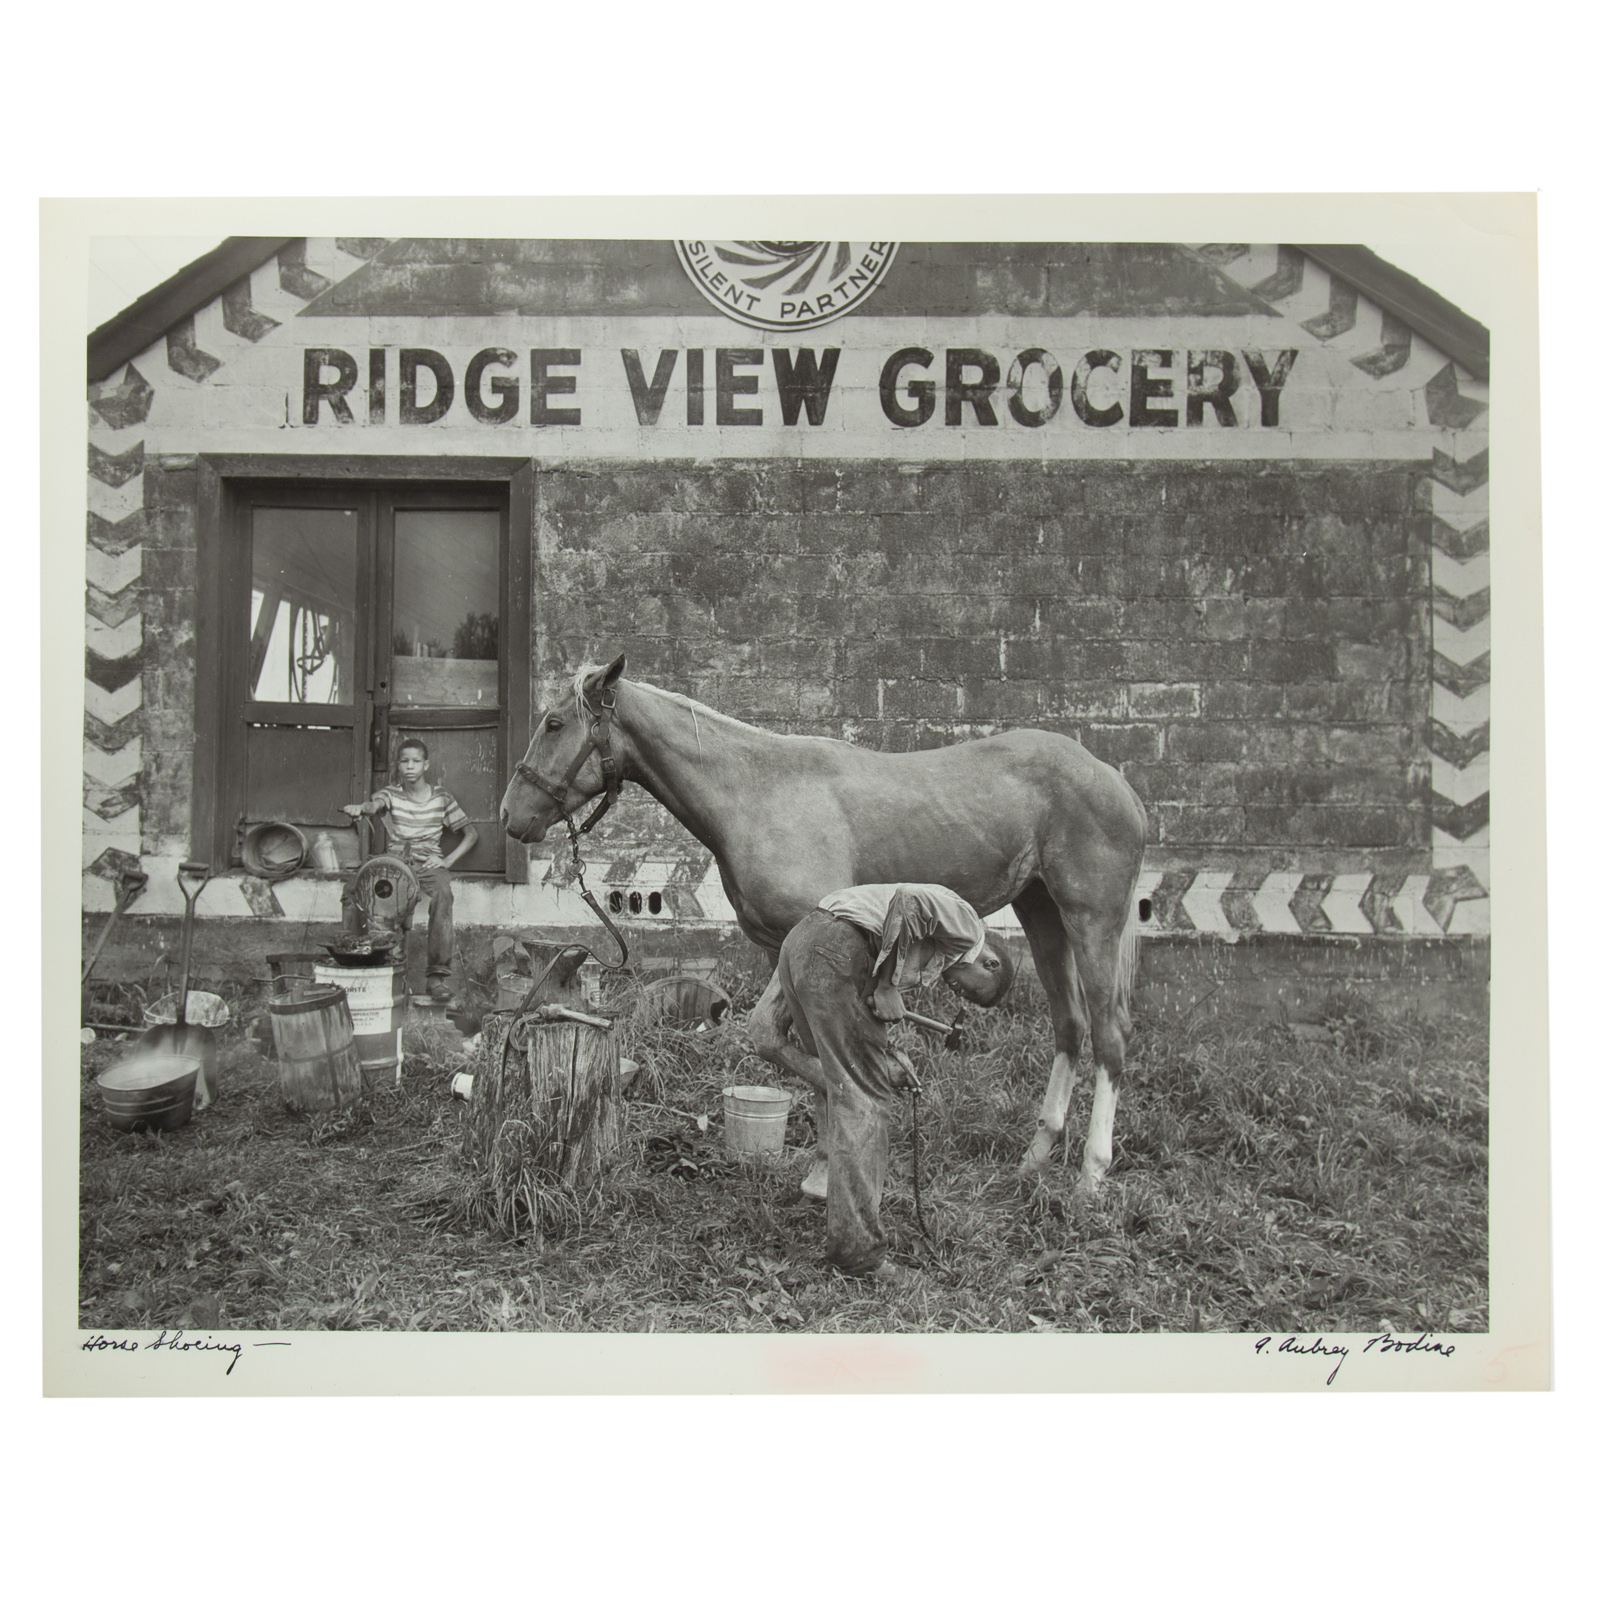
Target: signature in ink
177 1339
1382 1343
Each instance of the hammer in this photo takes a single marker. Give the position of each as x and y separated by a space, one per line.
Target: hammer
953 1033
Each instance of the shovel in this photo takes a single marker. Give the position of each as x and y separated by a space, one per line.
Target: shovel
178 1038
130 885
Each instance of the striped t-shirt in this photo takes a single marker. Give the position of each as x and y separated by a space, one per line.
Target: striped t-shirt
414 826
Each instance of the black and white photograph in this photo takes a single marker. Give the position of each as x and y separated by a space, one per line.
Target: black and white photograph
792 791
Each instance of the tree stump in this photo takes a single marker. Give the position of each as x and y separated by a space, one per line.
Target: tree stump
544 1118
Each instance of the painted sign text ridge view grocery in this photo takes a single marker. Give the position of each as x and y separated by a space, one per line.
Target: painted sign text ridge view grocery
957 387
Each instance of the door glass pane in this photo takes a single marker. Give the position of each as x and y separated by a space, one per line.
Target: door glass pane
446 644
303 605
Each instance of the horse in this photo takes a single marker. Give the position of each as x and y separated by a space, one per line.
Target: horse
1024 818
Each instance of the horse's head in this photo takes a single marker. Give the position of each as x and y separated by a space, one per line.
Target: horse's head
567 761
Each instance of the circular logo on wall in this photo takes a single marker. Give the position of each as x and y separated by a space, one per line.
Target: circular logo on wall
784 283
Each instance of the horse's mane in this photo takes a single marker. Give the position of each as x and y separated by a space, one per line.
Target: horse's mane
698 707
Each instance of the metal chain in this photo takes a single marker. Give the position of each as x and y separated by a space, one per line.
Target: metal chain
577 860
916 1167
913 1088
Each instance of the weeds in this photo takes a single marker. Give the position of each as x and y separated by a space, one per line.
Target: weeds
1261 1180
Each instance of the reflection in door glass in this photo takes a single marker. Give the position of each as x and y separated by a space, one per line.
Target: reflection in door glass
446 646
303 605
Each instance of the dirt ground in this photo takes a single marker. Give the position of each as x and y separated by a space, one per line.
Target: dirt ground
1266 1178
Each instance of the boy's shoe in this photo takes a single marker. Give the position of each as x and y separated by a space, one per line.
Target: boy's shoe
439 992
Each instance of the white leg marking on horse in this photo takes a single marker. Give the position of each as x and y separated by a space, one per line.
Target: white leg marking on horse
1097 1148
1052 1113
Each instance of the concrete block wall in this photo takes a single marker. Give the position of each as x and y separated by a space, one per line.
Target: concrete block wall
1279 629
1248 641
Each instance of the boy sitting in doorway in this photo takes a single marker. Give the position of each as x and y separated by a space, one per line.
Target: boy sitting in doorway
417 815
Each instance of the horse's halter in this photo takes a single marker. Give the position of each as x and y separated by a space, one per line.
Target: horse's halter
599 739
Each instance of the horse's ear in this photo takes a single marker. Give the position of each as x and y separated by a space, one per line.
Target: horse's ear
608 679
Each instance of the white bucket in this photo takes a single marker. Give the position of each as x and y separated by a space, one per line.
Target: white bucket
754 1119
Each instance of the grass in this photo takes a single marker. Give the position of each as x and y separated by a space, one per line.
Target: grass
1262 1181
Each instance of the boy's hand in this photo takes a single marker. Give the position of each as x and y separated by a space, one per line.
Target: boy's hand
355 811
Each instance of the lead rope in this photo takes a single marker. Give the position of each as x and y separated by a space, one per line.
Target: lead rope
539 982
593 904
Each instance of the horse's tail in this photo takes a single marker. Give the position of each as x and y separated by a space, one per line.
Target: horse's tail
1128 956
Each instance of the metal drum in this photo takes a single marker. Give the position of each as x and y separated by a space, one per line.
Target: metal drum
376 997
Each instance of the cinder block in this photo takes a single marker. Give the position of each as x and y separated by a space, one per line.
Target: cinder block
1208 741
1199 824
763 614
1009 702
868 486
940 491
169 481
1368 662
962 658
1118 742
1163 700
1292 660
1162 619
1286 743
1084 618
1075 699
169 527
169 569
1202 661
1232 698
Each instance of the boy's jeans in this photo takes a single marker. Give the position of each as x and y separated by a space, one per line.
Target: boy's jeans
435 883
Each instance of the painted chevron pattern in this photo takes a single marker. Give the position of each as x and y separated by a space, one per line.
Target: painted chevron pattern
1340 317
239 314
113 621
1455 405
1225 904
1393 352
1448 407
1458 725
247 311
1232 904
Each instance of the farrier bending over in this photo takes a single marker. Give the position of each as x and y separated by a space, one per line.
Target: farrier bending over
842 971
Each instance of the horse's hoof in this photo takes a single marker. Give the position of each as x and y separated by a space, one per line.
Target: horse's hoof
1037 1161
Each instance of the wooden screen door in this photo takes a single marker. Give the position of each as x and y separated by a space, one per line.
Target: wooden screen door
371 614
440 669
